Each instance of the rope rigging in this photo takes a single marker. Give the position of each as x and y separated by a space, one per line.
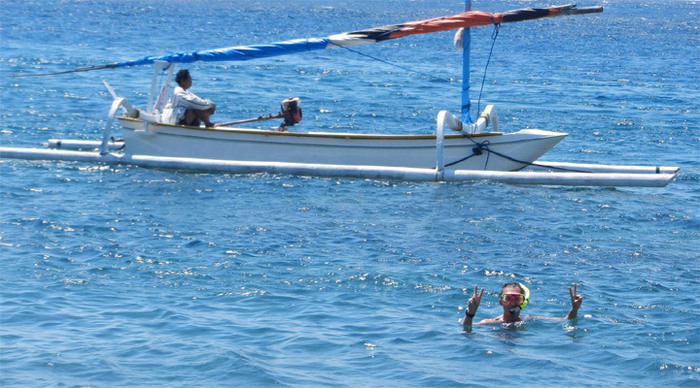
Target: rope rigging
494 35
408 69
479 147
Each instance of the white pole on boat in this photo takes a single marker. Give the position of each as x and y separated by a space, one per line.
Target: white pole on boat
604 168
327 170
158 66
466 45
439 140
76 144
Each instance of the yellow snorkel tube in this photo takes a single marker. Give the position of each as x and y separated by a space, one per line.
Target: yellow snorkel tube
526 295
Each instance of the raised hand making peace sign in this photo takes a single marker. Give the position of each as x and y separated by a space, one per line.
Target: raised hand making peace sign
473 303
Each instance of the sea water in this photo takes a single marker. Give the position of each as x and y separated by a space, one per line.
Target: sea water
124 276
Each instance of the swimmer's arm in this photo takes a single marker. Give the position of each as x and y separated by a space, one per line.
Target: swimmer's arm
468 321
549 318
576 300
472 306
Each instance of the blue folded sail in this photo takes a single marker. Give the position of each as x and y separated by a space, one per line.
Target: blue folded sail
236 53
371 35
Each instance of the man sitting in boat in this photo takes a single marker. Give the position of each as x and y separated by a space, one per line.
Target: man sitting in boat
189 109
513 298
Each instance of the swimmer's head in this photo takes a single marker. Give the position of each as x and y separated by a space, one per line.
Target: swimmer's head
515 294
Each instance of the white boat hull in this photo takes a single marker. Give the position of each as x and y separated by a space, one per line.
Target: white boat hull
499 151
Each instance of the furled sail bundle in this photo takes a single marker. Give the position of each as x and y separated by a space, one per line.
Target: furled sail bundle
371 35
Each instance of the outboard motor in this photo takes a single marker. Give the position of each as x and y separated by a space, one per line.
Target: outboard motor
291 111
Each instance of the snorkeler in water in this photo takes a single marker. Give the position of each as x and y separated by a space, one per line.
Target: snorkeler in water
514 298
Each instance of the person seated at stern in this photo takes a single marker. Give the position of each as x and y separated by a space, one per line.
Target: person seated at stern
189 109
514 298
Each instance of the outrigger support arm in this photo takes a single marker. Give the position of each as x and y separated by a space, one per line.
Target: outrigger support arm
119 102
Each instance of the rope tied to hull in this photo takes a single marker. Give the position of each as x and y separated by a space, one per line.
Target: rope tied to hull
481 147
476 151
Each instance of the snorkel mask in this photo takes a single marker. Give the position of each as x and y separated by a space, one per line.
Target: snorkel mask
522 299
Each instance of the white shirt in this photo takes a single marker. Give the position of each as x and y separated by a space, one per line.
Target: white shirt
183 100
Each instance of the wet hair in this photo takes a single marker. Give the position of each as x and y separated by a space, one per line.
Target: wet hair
513 285
182 75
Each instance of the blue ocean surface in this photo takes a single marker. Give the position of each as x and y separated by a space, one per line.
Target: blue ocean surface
120 276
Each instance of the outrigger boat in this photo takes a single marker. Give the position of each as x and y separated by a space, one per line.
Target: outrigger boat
477 150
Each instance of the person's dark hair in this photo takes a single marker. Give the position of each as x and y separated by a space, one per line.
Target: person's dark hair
514 285
182 75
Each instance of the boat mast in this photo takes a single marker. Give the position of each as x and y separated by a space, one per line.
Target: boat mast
466 104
